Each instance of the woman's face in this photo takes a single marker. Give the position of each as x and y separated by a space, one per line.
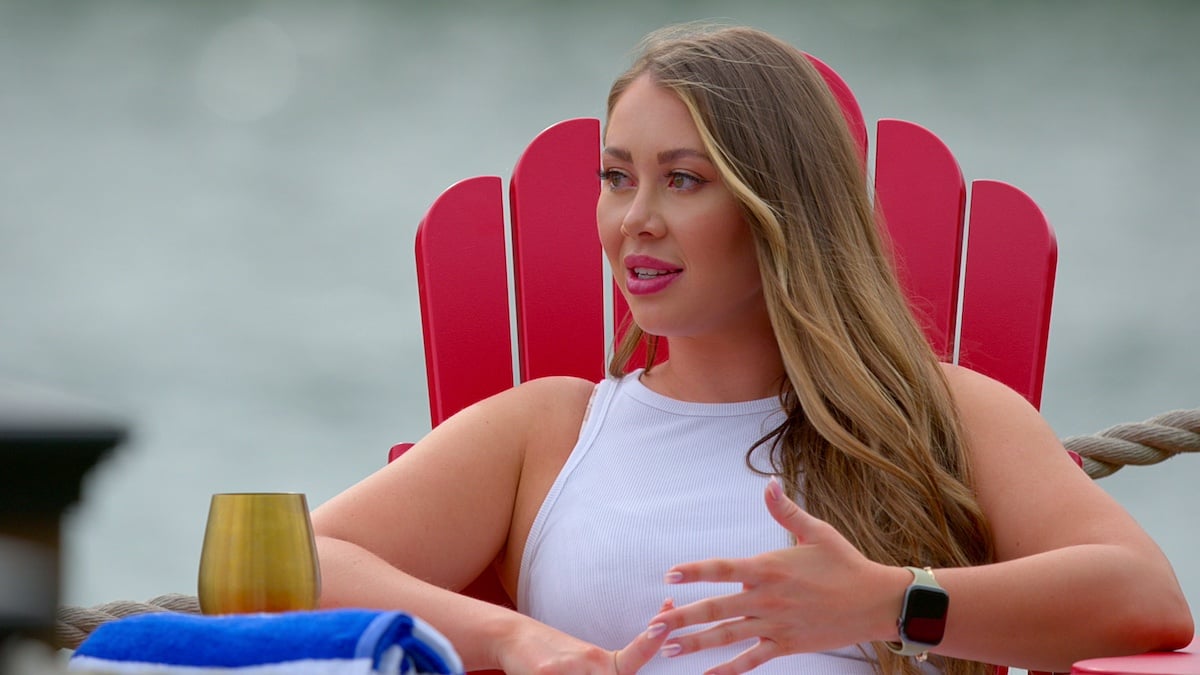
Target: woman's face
674 234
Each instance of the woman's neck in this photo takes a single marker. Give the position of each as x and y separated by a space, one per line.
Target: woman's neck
702 371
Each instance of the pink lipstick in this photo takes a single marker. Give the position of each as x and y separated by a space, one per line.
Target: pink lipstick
645 275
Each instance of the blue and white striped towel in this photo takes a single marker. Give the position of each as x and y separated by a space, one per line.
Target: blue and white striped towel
321 642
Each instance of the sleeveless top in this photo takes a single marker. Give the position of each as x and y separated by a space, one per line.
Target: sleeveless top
653 482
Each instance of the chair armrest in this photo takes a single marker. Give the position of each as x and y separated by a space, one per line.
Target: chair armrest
1183 662
397 450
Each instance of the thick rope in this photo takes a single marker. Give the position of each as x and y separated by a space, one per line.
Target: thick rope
76 623
1149 442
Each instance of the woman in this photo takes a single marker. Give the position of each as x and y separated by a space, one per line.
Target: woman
624 517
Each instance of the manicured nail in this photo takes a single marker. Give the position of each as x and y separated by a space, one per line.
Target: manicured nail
673 577
774 489
671 649
656 630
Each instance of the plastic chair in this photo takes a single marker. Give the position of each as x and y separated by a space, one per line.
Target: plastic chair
558 278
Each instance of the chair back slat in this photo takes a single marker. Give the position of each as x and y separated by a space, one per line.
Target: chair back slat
847 101
557 260
462 283
919 189
1012 255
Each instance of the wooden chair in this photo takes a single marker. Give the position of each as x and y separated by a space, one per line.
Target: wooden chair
558 278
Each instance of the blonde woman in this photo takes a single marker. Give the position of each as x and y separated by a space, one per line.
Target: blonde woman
800 488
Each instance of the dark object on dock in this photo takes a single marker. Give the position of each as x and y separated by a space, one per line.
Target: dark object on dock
48 442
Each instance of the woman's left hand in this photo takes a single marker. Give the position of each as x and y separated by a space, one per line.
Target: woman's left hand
820 594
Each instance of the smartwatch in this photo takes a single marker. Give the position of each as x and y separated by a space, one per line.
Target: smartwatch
922 620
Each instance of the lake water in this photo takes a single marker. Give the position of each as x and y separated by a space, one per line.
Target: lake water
207 213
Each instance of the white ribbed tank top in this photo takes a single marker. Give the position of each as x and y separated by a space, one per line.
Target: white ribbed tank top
653 482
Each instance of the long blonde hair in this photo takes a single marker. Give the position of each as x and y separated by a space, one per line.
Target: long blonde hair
872 441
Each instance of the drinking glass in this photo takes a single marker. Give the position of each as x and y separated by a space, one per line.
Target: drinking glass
259 555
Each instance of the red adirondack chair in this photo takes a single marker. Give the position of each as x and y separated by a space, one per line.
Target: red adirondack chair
1000 329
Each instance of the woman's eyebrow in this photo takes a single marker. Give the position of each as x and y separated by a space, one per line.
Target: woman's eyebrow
664 157
668 156
619 153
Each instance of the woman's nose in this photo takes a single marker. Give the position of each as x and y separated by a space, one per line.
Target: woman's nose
643 217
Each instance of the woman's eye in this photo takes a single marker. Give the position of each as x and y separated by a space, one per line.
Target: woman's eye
678 180
614 179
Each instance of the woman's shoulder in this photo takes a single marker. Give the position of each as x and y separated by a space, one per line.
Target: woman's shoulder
557 392
561 391
521 417
1001 427
971 389
995 417
546 407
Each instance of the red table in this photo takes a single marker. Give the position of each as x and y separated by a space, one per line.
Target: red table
1183 662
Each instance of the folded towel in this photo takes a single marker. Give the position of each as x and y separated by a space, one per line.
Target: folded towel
325 642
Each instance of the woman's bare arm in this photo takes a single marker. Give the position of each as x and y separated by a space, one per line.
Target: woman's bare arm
435 518
1075 576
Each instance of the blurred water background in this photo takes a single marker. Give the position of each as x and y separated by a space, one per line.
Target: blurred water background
207 212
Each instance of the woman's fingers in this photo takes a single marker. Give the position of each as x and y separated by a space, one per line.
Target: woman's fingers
719 635
788 514
760 653
709 610
792 599
644 647
711 570
810 532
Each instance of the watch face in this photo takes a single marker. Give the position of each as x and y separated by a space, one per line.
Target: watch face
925 615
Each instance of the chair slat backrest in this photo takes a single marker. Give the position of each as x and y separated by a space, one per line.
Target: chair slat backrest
463 286
557 260
1012 256
463 278
921 196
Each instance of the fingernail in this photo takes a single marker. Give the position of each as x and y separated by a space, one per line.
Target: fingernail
656 630
673 577
671 649
774 489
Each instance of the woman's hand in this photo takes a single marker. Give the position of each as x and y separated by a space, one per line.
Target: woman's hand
550 652
819 594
